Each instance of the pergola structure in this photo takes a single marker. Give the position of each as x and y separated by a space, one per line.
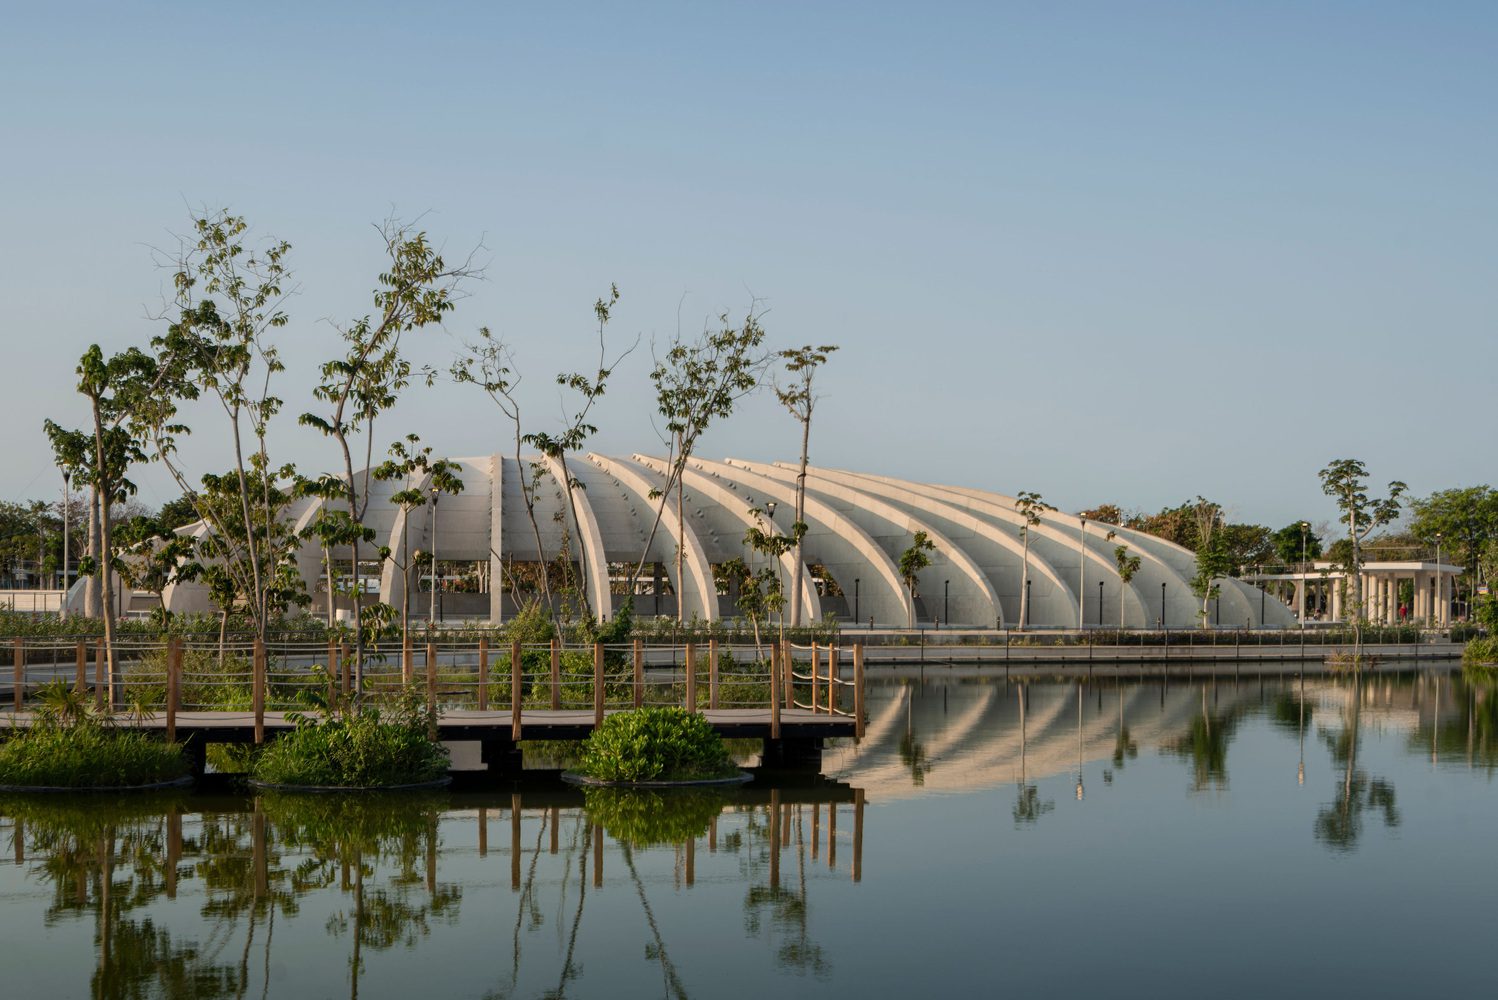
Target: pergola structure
1323 590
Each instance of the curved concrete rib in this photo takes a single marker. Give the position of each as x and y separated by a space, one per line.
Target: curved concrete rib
905 521
590 539
827 527
895 491
700 484
392 579
699 591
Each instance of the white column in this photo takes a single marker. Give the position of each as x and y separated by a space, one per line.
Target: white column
1300 599
1336 602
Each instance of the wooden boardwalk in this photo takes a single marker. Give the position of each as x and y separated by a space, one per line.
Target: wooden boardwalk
471 724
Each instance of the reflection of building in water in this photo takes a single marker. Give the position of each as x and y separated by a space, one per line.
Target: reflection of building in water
956 735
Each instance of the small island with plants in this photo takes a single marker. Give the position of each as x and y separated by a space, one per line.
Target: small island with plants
358 750
653 747
71 747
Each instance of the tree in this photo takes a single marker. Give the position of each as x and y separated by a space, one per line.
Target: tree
416 291
1107 513
801 364
1287 543
1031 509
696 383
154 557
219 346
1212 559
408 461
1465 520
912 561
1127 566
762 593
1345 480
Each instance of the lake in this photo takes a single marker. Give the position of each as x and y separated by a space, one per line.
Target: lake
1129 836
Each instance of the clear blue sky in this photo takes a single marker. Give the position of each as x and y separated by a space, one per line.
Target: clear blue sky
1109 252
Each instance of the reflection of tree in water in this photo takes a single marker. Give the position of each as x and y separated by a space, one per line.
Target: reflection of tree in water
771 907
912 751
110 859
1028 805
1340 824
107 860
1468 735
1206 744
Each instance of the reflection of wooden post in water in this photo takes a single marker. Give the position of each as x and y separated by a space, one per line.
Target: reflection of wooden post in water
774 838
106 865
173 851
18 840
555 821
785 824
816 830
598 855
483 832
257 838
832 835
343 882
691 862
858 834
432 855
515 842
712 835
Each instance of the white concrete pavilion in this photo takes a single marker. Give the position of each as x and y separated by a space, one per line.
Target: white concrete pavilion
858 525
1323 593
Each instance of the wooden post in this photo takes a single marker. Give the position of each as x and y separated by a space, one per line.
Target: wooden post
832 692
639 673
712 674
857 834
597 686
431 676
556 673
816 655
257 689
99 685
347 665
484 675
19 688
258 851
788 681
408 655
774 691
173 686
81 683
691 677
515 691
858 690
483 832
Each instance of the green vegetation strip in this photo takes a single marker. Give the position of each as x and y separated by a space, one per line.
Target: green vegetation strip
654 745
88 756
361 751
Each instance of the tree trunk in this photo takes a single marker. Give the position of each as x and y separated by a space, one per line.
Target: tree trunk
106 540
681 539
1024 586
797 571
93 605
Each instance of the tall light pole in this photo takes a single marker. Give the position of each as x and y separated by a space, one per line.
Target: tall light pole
66 509
1440 612
1082 576
1304 583
432 613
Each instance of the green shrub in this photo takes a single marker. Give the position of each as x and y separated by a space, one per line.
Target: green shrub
87 755
655 744
1480 657
360 751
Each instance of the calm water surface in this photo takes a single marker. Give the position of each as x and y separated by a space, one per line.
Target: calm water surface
1207 836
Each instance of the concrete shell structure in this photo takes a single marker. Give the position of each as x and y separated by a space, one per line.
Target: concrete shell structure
858 525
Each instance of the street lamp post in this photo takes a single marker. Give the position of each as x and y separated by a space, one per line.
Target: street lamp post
1100 604
855 600
1440 586
946 599
432 612
1082 576
1304 527
1026 622
66 509
1162 604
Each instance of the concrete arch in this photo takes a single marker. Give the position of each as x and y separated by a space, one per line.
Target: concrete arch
830 528
707 486
590 540
906 521
699 592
